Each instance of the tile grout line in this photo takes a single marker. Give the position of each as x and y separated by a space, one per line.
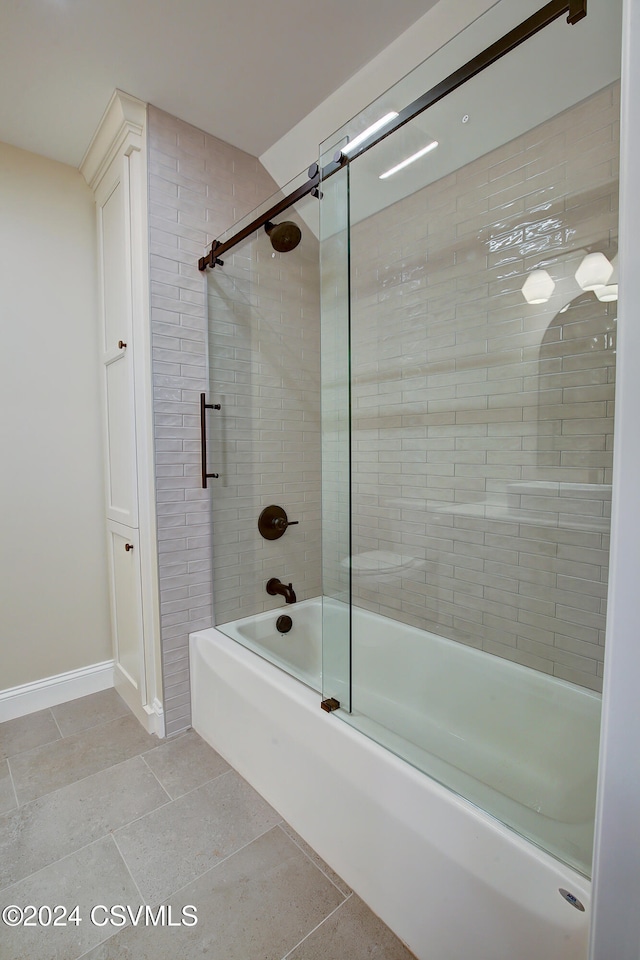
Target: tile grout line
95 839
65 786
56 722
38 746
92 726
184 886
59 860
62 736
306 937
79 733
345 895
121 855
109 833
13 786
80 779
193 789
157 779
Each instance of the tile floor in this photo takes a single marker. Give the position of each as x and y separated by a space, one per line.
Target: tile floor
95 812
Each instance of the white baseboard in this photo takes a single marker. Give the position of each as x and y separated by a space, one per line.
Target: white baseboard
29 697
157 719
150 715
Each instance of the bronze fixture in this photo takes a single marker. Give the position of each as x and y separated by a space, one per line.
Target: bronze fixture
273 522
204 406
275 587
284 236
284 624
330 704
218 247
128 546
121 344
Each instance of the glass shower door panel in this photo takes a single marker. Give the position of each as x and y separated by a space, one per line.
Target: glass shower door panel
264 442
483 250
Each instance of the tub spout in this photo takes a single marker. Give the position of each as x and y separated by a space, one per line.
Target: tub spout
275 586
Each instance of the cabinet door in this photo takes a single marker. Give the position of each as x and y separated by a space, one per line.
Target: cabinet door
126 604
117 357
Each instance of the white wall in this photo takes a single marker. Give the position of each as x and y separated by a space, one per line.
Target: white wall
54 607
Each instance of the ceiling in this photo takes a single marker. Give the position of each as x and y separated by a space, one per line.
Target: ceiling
244 70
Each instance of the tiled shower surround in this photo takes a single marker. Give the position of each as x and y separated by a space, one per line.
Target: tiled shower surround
198 187
482 425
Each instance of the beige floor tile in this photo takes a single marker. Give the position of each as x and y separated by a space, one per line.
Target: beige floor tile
59 823
352 931
257 905
85 712
185 763
24 733
93 875
48 768
172 846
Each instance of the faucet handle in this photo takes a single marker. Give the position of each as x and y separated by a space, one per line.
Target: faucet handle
281 523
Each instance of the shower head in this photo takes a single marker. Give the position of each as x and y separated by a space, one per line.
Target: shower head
284 236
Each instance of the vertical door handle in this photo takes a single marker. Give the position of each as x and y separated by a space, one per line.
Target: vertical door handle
204 406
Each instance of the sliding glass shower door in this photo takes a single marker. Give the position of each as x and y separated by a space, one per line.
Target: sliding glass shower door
469 270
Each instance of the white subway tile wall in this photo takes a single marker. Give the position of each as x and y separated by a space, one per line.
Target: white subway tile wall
198 187
482 424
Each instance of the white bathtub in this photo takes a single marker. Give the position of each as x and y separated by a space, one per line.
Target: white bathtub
450 880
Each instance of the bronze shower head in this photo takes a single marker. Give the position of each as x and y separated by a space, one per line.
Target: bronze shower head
284 236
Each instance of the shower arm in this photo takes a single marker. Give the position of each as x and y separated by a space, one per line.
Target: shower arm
575 10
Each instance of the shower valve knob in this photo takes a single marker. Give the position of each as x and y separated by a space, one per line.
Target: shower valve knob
273 522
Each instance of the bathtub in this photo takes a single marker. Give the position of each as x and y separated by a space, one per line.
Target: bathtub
450 879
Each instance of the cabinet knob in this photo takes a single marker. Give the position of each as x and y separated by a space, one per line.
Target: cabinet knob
121 344
128 546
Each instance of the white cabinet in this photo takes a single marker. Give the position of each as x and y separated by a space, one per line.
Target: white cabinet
126 605
112 201
115 168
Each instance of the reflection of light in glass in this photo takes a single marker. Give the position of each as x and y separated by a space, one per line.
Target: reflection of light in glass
538 287
607 294
594 271
412 159
378 125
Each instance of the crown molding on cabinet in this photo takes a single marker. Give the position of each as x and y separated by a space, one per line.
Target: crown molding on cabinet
124 119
